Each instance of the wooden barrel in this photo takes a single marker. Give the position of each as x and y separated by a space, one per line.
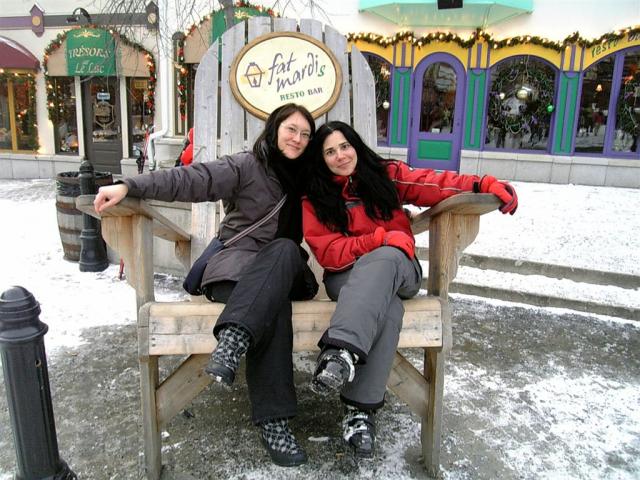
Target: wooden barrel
70 222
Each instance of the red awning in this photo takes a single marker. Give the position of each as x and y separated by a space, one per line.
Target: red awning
14 55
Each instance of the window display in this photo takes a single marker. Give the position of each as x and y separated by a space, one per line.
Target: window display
520 104
66 125
438 98
140 113
594 107
18 128
382 77
628 105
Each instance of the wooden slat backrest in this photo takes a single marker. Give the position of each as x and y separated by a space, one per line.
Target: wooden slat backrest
239 129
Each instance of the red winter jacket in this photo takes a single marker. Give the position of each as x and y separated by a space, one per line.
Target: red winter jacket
186 157
421 187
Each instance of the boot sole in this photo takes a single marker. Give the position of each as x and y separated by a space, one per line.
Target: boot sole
324 384
220 374
360 454
283 459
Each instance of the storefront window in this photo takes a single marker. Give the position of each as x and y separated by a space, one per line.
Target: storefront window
594 107
18 130
382 77
628 105
140 116
520 104
66 124
5 116
438 98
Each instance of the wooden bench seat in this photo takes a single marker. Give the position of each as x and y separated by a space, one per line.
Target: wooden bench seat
179 328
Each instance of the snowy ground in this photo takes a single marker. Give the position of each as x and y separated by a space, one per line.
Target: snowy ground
530 393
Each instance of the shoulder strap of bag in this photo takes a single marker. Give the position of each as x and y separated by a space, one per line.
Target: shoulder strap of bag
258 224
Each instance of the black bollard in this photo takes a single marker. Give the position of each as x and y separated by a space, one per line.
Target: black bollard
24 363
93 255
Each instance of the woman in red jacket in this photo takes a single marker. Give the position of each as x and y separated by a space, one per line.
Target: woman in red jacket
354 224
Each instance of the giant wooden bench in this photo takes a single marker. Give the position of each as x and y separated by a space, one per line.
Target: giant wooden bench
185 328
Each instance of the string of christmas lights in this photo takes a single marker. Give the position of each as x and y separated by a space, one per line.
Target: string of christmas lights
481 35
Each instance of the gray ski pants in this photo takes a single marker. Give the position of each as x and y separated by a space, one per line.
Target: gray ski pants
368 318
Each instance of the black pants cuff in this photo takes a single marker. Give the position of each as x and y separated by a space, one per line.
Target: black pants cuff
366 407
327 342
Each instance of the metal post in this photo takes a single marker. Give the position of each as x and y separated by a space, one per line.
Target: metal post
93 255
24 363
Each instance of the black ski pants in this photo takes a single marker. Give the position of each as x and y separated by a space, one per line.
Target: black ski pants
260 302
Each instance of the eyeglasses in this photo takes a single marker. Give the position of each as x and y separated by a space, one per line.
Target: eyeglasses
332 152
294 131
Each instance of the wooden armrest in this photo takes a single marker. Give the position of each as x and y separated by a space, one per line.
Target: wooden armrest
453 224
162 226
461 204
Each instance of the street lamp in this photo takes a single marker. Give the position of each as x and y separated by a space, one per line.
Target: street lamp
74 18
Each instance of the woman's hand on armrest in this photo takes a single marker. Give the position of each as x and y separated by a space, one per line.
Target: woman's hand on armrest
109 196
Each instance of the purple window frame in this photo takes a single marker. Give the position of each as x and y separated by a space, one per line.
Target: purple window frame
610 126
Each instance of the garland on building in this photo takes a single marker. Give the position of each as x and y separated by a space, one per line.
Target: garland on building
410 37
28 114
536 87
53 102
182 79
183 71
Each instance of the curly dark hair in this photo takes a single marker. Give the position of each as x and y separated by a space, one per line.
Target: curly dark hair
372 184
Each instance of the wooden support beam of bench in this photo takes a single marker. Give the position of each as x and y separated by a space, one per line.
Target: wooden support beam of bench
179 388
409 385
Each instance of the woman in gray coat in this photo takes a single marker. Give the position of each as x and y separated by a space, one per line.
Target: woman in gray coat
257 276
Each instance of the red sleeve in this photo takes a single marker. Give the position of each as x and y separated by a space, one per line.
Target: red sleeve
425 187
334 250
186 157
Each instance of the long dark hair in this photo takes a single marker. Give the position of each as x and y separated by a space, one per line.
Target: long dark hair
266 145
372 184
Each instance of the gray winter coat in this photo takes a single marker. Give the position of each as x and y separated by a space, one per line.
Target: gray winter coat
249 192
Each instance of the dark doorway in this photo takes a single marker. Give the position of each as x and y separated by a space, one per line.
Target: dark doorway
102 129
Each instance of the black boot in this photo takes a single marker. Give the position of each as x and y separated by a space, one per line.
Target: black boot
359 432
333 370
282 446
233 342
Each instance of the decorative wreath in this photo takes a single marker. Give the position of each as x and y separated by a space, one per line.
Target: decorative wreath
510 78
629 106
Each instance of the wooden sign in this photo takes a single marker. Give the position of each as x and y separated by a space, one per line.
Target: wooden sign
283 67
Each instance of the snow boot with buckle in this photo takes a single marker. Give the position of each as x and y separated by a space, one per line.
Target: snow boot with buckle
359 432
333 370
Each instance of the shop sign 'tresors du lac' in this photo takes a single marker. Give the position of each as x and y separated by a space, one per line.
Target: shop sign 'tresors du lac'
283 67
